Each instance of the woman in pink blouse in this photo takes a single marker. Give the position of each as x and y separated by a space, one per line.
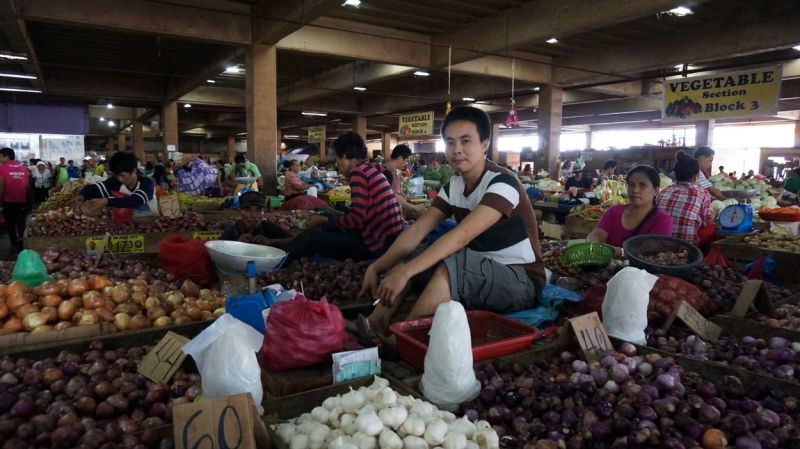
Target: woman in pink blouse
292 185
623 221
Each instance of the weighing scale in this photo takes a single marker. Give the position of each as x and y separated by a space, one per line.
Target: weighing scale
737 218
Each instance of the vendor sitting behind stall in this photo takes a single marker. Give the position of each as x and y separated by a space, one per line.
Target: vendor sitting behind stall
375 218
623 221
578 180
705 157
242 168
252 227
688 204
141 192
293 186
397 162
490 261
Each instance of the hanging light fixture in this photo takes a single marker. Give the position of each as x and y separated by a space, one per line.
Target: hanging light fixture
512 118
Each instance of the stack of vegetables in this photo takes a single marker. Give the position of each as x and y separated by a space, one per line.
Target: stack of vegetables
550 186
379 417
61 199
440 174
591 213
762 200
340 281
612 192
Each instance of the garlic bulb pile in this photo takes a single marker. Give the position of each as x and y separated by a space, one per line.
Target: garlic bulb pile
378 417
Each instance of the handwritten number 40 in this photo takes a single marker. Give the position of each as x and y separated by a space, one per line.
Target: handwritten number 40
589 344
223 444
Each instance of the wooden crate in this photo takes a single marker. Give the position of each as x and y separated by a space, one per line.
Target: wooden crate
740 254
578 228
746 327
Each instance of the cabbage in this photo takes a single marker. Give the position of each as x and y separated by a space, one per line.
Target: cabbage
717 205
716 178
664 180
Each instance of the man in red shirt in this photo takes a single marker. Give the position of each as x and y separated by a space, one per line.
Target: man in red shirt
13 196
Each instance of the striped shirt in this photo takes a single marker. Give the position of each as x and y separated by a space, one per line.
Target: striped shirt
142 199
373 208
514 239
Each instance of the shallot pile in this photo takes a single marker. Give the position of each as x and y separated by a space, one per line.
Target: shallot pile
87 400
339 281
723 285
379 417
786 317
627 401
284 221
83 225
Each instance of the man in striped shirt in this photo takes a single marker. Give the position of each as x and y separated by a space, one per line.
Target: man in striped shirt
490 261
375 218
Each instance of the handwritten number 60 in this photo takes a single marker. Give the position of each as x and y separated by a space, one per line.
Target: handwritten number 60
223 444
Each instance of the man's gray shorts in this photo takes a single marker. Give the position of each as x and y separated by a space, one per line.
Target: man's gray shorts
480 283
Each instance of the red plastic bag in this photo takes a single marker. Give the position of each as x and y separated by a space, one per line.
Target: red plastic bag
303 202
716 257
755 272
186 258
121 215
302 333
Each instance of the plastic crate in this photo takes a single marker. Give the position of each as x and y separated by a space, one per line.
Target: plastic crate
493 335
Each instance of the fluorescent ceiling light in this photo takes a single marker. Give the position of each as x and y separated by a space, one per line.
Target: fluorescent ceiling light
421 73
232 69
468 99
680 11
12 55
110 123
18 75
110 106
360 88
552 41
187 105
797 47
351 3
102 119
319 114
21 89
536 89
211 81
291 137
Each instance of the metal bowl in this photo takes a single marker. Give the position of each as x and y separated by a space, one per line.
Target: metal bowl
234 256
245 180
739 194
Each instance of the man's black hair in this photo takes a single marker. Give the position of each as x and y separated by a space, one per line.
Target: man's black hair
401 151
470 114
239 158
350 145
9 153
122 162
611 163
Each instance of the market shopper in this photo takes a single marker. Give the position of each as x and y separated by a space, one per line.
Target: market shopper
398 161
609 167
73 171
252 227
241 168
42 181
490 261
527 171
310 170
293 186
688 204
375 218
196 177
705 157
578 180
420 171
138 193
641 216
160 177
14 187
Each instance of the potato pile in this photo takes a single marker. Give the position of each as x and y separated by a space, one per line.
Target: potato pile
776 242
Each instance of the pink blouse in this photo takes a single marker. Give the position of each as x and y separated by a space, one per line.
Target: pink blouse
611 222
292 184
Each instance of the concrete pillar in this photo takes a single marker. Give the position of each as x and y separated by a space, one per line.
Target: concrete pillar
263 138
588 135
494 152
704 133
550 113
109 146
138 139
797 134
360 126
201 145
122 145
169 127
386 145
322 156
231 149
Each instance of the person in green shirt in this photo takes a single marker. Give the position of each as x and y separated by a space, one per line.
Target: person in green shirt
241 167
793 182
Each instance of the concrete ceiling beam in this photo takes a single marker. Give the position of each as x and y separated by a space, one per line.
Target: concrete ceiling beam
292 15
536 22
199 71
215 96
201 20
500 67
83 84
19 41
689 46
115 113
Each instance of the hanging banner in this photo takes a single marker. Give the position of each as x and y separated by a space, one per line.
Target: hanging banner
316 134
729 95
418 124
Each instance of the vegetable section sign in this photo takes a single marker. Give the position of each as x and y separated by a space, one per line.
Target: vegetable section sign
737 94
316 134
418 124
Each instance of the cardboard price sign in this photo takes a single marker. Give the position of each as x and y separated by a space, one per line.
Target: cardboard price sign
692 318
229 422
753 292
160 364
170 206
589 332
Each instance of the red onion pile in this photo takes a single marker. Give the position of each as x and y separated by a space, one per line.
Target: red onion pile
82 225
340 281
88 400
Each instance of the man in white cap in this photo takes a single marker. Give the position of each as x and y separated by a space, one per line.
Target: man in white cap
578 180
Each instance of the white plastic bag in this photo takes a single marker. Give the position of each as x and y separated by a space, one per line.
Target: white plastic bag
225 354
625 304
449 378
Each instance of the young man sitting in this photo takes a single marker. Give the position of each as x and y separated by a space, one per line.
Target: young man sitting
490 261
139 193
253 228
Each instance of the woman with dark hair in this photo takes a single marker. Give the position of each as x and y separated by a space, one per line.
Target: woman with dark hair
688 204
293 186
623 221
705 158
170 166
148 169
160 177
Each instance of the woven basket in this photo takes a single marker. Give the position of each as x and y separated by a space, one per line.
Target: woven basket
650 245
587 255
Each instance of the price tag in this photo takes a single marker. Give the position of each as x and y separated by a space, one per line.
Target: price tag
207 235
170 207
225 423
160 364
115 244
97 249
692 318
753 292
589 332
